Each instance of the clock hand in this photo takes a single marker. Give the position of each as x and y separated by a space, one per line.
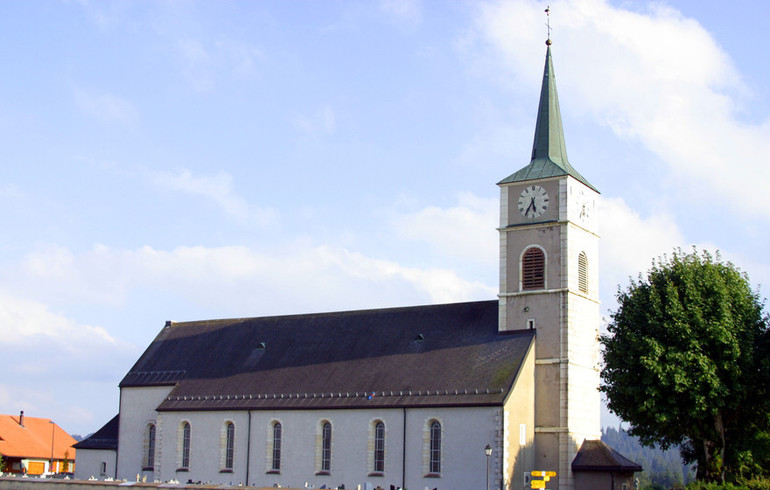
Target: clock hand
531 205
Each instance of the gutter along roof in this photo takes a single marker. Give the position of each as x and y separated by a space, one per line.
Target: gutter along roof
438 355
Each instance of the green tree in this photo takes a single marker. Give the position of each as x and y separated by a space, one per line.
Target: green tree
686 362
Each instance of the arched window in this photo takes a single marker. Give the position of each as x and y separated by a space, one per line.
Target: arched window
379 447
276 463
533 269
149 454
435 447
326 446
229 445
185 459
583 272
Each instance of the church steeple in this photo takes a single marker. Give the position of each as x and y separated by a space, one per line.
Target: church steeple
549 152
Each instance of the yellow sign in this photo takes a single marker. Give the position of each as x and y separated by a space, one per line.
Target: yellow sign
550 473
538 473
538 484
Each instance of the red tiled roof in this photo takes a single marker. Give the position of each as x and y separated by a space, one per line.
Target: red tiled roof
33 439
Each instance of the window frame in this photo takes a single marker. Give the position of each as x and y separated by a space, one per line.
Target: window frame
149 455
532 268
186 443
229 445
434 458
275 464
326 447
378 455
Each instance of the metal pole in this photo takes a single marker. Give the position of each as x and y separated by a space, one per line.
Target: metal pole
53 426
488 452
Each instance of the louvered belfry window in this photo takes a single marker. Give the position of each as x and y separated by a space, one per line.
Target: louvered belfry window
583 272
533 269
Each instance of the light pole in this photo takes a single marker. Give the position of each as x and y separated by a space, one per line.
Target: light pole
53 426
488 452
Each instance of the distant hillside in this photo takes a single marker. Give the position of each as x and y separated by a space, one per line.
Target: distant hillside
662 469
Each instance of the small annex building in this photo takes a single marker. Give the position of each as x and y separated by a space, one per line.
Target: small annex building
35 446
599 466
449 396
102 450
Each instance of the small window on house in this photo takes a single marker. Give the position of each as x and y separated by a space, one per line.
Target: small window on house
229 445
583 272
103 469
149 454
533 269
326 447
435 447
185 455
276 457
379 447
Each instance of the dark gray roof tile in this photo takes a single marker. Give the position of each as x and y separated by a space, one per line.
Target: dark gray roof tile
437 355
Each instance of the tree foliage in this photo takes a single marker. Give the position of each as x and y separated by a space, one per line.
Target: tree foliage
686 362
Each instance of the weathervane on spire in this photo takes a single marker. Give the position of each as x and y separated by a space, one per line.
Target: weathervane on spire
548 24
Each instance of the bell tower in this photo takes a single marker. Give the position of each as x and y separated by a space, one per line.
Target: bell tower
549 283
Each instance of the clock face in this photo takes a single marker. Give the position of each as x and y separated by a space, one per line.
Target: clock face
533 201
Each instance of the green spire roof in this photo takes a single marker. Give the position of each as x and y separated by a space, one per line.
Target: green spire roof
549 153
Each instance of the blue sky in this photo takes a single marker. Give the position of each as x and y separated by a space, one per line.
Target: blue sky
190 160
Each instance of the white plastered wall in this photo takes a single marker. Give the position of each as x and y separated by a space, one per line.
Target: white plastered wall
519 427
88 463
137 409
465 433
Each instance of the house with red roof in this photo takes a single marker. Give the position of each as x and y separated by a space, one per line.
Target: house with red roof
35 446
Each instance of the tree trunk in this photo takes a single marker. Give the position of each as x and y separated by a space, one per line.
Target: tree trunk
711 467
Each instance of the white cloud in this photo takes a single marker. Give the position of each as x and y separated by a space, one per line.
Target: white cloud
218 188
410 10
202 63
236 279
21 319
244 58
196 64
656 77
48 356
322 121
465 231
629 242
106 107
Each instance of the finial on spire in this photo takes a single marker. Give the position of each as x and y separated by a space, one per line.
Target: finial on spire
548 24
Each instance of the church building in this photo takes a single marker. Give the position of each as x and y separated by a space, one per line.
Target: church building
448 396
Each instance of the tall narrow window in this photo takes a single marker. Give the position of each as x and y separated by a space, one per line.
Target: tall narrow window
276 466
379 447
583 272
229 445
326 447
149 457
533 269
185 445
435 447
